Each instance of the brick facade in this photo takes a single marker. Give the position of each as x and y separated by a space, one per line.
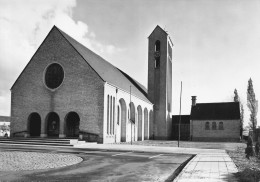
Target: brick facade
230 132
82 90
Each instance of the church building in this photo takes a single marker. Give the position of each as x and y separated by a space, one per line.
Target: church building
68 91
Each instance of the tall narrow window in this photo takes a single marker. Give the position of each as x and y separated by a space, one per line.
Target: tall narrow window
157 63
157 46
214 125
107 114
157 54
207 126
221 126
111 115
113 124
118 114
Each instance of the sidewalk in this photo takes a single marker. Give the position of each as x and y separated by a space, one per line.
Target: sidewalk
209 165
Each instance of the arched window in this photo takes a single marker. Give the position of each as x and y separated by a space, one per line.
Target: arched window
157 46
221 126
214 125
207 126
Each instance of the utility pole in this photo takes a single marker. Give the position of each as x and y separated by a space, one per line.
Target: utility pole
180 118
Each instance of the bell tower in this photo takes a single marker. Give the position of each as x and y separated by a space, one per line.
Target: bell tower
160 82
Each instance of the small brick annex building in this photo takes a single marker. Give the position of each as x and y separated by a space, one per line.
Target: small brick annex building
208 122
214 121
66 90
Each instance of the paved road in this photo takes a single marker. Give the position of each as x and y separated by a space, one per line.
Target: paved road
100 165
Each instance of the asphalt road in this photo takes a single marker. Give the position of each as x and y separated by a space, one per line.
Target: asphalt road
101 166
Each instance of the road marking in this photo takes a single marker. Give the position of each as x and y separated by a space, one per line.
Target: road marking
122 153
155 156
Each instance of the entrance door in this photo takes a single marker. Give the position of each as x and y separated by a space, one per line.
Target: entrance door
72 123
53 124
34 124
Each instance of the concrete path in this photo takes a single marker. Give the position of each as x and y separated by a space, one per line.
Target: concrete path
208 167
211 165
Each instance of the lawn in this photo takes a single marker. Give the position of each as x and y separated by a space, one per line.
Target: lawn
190 144
249 169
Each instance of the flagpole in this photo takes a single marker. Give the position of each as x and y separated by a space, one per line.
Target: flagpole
180 118
130 115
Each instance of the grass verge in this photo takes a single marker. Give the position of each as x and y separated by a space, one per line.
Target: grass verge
248 169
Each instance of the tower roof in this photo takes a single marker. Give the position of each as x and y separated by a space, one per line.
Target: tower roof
158 28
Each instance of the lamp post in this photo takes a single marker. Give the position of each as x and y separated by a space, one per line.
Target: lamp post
180 118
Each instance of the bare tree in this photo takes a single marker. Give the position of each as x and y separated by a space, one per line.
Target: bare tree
252 105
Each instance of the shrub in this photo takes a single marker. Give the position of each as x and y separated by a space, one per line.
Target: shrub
257 147
249 149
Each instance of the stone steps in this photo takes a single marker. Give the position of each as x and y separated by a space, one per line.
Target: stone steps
67 142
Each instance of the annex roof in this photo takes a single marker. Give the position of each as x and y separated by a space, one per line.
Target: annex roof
215 111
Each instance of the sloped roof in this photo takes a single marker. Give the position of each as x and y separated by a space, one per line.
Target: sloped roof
215 111
185 119
158 28
107 71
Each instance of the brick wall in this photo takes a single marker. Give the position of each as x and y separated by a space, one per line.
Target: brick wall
231 131
82 90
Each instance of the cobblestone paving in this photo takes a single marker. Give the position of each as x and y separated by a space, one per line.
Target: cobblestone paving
17 161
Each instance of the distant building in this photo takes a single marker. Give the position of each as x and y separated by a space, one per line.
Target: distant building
215 121
4 125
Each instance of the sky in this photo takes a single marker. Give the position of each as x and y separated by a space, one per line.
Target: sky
216 42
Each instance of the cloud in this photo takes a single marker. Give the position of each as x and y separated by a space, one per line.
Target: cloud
24 25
